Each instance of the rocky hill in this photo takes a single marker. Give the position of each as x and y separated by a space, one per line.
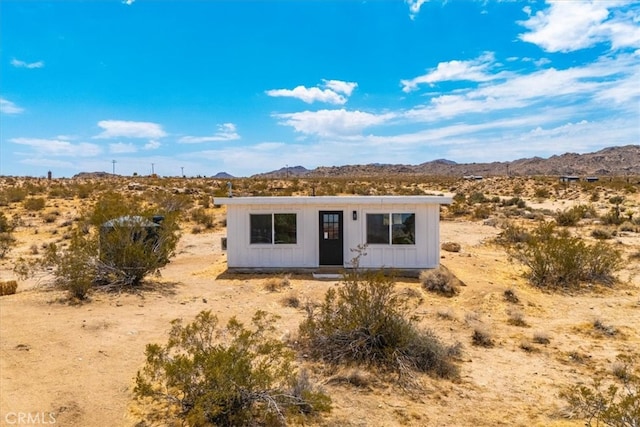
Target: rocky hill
611 161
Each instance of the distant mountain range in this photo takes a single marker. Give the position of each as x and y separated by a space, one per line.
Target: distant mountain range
612 161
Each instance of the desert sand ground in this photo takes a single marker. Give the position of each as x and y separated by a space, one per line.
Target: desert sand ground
75 364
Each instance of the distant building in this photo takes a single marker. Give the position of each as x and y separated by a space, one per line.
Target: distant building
569 178
591 179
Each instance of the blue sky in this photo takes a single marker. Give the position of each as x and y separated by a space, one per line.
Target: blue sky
252 86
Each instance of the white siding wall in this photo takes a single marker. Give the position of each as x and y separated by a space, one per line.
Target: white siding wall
241 254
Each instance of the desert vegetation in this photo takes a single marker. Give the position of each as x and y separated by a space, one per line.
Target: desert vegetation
537 297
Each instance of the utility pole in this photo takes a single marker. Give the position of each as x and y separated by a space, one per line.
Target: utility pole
182 169
152 170
113 167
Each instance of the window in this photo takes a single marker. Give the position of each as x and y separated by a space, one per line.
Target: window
279 228
395 228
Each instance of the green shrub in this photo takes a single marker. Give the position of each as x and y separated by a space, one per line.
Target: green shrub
570 217
74 268
617 405
365 321
200 216
34 203
6 237
249 378
558 260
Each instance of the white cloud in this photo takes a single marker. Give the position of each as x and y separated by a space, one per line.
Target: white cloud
334 92
567 26
226 132
8 107
58 147
476 70
127 129
340 87
332 122
152 145
121 148
414 7
22 64
128 2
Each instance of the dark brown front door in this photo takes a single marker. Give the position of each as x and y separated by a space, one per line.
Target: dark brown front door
331 246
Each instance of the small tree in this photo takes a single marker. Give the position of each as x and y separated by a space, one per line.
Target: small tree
227 376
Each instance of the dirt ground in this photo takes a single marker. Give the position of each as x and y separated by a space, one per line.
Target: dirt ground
75 364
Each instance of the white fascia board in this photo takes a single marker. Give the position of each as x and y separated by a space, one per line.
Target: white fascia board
335 200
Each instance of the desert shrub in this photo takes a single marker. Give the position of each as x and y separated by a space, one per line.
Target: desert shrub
275 284
481 337
6 237
511 296
516 318
617 405
541 193
33 203
365 321
514 201
629 226
74 267
570 217
477 197
440 281
227 376
482 212
200 216
291 300
112 252
12 195
512 234
558 260
8 288
601 234
541 337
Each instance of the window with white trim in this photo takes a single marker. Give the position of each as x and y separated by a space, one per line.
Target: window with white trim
391 228
273 228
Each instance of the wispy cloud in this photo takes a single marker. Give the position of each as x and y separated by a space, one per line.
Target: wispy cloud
22 64
567 26
477 70
226 132
128 129
334 92
58 147
8 107
128 2
332 122
152 145
414 7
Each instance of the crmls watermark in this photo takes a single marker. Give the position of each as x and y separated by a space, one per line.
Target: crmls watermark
30 418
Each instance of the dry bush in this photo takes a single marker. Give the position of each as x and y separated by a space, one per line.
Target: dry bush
276 284
601 234
365 321
516 318
291 300
541 337
511 296
440 281
8 288
34 203
481 337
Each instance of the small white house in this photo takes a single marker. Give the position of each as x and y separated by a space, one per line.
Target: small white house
307 232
